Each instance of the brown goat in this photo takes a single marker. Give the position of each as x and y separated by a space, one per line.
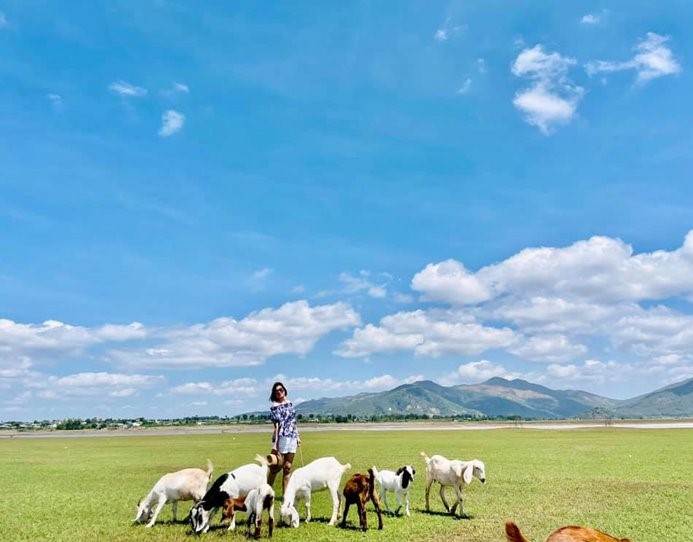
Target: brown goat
569 533
360 489
257 500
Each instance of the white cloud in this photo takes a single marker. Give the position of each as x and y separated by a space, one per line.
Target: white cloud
440 35
600 269
171 123
53 339
56 100
476 371
4 23
181 87
481 65
653 59
293 328
550 349
593 19
466 86
551 99
127 90
362 283
426 333
451 282
93 384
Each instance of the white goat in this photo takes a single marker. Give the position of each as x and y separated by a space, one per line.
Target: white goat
257 500
453 473
323 473
237 483
182 485
398 482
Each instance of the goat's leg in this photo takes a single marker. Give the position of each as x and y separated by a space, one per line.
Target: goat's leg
270 520
347 504
335 505
429 483
308 514
459 495
442 497
159 505
406 501
383 492
174 507
399 502
363 521
376 504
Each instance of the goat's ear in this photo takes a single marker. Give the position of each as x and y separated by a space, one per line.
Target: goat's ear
399 471
467 474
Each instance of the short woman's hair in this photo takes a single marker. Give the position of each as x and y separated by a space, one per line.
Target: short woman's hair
273 395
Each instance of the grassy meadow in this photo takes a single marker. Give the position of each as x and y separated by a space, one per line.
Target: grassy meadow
629 482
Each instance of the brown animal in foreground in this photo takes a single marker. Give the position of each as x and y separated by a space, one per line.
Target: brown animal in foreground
257 500
569 533
360 489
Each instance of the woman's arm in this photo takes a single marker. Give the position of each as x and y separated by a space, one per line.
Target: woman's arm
275 437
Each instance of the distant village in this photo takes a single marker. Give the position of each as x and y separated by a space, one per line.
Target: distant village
73 424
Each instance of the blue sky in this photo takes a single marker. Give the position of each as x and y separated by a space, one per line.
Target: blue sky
200 198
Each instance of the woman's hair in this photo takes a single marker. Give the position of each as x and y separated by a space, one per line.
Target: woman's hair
273 395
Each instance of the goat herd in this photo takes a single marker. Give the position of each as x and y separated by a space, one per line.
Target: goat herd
246 489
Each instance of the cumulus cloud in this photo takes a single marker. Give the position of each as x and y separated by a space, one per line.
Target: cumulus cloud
53 339
598 269
171 123
293 328
466 86
553 348
593 19
93 384
56 101
652 59
476 371
127 90
363 283
426 333
551 99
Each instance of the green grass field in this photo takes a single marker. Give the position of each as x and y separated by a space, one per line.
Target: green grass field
635 483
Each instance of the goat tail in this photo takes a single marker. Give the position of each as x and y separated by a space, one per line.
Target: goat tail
210 468
262 460
346 467
375 470
513 534
371 480
425 457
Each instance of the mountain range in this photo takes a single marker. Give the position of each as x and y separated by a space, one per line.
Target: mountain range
500 397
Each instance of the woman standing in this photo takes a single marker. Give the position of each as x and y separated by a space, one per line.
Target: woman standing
285 438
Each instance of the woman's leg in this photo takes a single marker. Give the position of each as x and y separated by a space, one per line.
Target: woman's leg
286 470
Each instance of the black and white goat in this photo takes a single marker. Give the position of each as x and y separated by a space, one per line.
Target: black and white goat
398 482
237 483
182 485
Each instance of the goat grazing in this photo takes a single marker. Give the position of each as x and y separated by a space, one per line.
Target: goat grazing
569 533
237 483
360 489
182 485
323 473
453 473
398 482
257 500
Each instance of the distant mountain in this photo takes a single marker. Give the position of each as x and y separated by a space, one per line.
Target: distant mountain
671 401
501 397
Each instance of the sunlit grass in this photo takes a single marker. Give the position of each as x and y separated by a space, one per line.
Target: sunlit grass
636 483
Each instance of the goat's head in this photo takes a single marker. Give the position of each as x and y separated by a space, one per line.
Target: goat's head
143 513
474 468
407 472
199 518
289 515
